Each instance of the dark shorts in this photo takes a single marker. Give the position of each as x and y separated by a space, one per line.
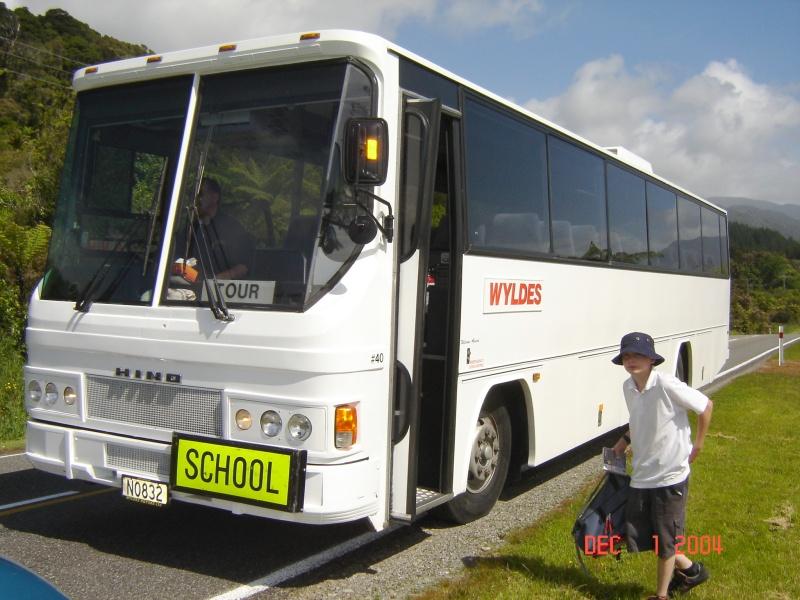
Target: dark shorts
654 518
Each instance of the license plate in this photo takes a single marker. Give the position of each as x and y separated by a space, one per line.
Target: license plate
261 475
144 490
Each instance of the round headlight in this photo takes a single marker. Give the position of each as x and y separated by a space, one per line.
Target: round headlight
299 427
271 423
34 391
70 396
50 393
243 419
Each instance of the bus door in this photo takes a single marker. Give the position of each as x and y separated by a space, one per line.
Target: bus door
421 431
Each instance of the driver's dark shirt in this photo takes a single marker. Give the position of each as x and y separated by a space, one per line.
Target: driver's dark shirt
228 242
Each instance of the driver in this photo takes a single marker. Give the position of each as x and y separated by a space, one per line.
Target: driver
230 247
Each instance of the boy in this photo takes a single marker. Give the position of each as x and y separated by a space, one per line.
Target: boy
659 436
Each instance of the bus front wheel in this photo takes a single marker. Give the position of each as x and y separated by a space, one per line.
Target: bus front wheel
489 458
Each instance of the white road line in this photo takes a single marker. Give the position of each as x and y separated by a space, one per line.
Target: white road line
10 455
755 358
304 566
35 500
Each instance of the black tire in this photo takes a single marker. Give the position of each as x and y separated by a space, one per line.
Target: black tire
680 368
489 460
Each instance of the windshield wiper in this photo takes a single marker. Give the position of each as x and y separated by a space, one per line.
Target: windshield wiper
216 300
86 297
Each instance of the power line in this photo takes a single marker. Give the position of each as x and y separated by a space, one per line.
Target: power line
62 57
37 62
47 81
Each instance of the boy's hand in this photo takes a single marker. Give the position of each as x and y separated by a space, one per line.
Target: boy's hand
693 454
619 448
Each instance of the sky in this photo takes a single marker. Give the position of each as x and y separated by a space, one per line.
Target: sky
707 90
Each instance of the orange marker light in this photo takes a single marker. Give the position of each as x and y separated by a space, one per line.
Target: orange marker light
372 149
90 70
309 36
346 428
154 59
227 47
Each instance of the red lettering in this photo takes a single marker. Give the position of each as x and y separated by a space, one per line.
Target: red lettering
602 545
510 293
522 293
588 545
494 293
508 288
614 540
680 542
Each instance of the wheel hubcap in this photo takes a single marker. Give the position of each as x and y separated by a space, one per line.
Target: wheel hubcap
485 452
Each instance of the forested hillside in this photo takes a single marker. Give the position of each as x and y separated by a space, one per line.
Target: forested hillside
37 57
766 279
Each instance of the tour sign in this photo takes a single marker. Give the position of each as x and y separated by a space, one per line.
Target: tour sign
262 475
243 291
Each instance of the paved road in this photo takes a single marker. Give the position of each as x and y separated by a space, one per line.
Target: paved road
744 347
91 543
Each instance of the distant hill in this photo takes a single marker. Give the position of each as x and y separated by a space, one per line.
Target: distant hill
38 54
783 218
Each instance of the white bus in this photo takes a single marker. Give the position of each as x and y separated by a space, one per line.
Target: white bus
317 278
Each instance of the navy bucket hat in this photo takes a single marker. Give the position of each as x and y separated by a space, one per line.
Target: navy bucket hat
640 343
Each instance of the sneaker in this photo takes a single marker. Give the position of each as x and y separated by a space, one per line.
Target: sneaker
682 583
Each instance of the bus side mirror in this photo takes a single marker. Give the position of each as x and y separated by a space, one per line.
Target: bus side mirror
366 154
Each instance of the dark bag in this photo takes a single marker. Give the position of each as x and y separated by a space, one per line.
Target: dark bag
598 530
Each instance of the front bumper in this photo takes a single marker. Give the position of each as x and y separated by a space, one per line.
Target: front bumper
333 493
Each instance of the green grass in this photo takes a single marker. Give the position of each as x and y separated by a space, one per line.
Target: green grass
745 488
12 410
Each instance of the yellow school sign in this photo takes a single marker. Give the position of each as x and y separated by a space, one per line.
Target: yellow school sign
244 472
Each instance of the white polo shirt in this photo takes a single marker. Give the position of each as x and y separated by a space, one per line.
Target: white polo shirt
660 431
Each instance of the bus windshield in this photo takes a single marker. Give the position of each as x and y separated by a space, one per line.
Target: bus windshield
263 211
119 169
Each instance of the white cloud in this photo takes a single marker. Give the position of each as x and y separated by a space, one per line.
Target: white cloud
466 16
173 24
717 133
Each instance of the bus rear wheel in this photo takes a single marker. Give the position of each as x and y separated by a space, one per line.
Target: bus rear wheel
490 456
680 367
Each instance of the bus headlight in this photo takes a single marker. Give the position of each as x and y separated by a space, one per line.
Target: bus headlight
34 391
299 427
70 396
243 419
271 423
51 394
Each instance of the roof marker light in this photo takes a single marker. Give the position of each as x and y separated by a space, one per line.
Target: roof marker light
227 48
90 70
154 59
309 36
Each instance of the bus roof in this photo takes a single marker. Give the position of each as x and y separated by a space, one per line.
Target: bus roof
303 47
